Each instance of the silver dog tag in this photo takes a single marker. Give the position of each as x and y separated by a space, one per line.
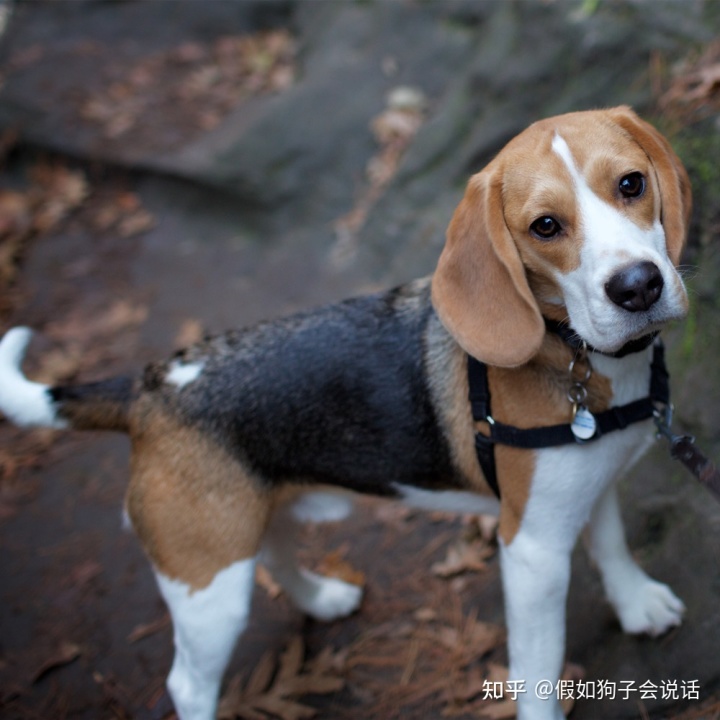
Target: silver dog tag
584 424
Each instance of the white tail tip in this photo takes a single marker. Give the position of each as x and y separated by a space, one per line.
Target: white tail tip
13 345
22 401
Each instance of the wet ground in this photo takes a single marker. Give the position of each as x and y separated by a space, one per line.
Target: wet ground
83 633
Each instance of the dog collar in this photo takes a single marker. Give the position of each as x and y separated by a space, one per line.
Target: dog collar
616 418
571 338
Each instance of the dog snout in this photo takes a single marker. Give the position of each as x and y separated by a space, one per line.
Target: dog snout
637 287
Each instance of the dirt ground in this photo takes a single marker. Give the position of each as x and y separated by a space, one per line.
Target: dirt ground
117 264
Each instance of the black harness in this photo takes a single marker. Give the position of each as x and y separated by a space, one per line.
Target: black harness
616 418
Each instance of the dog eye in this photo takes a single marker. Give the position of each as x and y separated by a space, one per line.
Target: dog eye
545 227
632 185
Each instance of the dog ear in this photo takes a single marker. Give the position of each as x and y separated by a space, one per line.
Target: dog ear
675 191
480 290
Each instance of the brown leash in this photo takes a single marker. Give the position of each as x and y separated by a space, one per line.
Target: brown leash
683 448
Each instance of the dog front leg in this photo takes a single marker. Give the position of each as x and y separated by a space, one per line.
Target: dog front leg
535 580
642 604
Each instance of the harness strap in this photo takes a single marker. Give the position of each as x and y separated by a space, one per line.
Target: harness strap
616 418
480 404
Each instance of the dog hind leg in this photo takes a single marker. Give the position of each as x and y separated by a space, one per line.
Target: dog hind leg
200 517
320 597
207 624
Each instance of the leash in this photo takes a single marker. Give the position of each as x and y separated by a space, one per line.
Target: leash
683 448
586 426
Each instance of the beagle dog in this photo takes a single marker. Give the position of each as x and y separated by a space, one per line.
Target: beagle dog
559 269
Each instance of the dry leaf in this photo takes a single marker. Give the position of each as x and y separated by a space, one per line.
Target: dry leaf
139 632
265 580
463 556
67 653
190 332
487 526
394 130
497 673
273 688
138 222
425 614
124 214
78 327
335 565
502 710
54 192
571 672
85 572
694 92
15 212
58 191
261 676
191 87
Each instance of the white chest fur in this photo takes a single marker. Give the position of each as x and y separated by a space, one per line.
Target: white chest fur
578 474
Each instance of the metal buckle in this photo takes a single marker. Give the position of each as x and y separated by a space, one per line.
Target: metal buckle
663 417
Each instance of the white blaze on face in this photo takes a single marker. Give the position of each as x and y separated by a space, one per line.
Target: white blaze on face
611 241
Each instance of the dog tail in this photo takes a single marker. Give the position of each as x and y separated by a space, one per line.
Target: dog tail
103 405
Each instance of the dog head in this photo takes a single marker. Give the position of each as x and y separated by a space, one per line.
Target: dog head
580 218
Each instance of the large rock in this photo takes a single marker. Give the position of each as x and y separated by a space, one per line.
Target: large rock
488 69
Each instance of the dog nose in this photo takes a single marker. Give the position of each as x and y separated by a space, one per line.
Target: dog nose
636 287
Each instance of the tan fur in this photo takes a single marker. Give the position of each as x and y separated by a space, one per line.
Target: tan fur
480 289
105 414
548 190
194 508
672 179
532 396
447 364
515 469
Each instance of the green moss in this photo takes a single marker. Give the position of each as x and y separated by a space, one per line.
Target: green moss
688 341
698 146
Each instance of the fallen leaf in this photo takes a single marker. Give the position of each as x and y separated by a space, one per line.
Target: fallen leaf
54 192
82 327
67 653
140 632
190 332
497 673
694 91
487 526
394 130
502 710
189 88
138 222
265 580
15 212
571 672
273 687
335 565
464 556
85 572
425 614
57 191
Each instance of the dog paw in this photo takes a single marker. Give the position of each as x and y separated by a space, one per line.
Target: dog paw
650 607
331 598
